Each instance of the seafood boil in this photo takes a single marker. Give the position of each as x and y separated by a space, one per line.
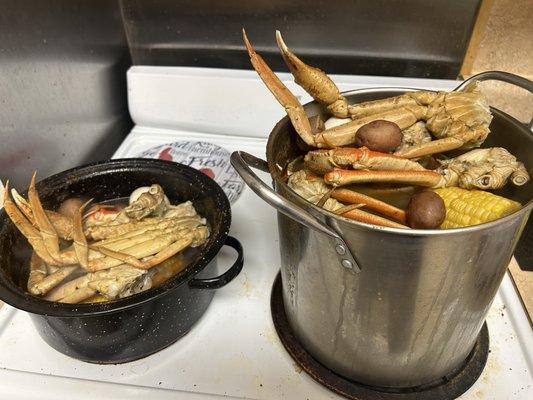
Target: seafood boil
395 142
103 252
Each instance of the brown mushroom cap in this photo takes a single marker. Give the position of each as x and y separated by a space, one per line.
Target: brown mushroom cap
379 135
426 210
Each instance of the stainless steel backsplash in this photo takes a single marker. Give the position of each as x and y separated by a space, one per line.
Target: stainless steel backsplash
63 63
381 37
62 85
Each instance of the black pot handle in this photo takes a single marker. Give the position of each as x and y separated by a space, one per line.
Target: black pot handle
226 277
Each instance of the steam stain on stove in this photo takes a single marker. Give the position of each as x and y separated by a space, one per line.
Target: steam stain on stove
297 368
248 287
271 335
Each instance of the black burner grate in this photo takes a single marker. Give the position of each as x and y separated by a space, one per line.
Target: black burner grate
449 387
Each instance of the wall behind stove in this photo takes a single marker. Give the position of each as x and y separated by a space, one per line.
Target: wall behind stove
63 63
62 85
417 38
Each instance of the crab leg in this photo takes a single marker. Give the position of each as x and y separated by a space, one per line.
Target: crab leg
50 269
320 86
61 223
126 251
419 99
124 258
363 216
148 232
51 281
167 252
341 135
80 242
441 145
67 288
23 206
145 249
109 282
78 295
344 135
341 177
322 161
47 231
292 106
103 232
26 228
314 81
433 147
38 270
352 197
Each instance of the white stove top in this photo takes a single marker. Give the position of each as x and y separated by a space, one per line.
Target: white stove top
233 351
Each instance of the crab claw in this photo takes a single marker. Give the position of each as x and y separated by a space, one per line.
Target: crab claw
314 81
48 233
26 228
292 106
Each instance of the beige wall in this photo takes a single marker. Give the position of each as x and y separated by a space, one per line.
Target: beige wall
503 40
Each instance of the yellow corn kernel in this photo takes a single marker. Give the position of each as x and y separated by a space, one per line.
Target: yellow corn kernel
473 207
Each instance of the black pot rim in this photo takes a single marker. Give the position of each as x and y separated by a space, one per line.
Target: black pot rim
24 301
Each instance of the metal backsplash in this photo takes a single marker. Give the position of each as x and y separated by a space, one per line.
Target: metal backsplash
417 38
63 63
62 85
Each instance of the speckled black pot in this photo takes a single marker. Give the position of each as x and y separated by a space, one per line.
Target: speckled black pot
139 325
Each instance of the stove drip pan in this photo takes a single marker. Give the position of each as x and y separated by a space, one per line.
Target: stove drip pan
447 388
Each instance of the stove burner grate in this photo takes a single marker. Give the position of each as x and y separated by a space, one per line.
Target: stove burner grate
447 388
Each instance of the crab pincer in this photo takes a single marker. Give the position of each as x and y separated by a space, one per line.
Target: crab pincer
46 229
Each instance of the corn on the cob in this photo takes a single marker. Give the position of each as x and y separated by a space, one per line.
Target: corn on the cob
472 207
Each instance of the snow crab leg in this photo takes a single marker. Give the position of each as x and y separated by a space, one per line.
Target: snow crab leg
489 168
457 119
338 136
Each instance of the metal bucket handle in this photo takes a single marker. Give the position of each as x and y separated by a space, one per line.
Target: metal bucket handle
500 76
242 162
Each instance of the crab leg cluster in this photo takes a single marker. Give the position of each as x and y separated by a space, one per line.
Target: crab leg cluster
489 168
428 123
107 256
456 119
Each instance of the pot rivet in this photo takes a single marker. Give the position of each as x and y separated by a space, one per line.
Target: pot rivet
347 264
340 249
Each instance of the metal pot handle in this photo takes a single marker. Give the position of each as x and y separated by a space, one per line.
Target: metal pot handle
242 162
500 76
226 277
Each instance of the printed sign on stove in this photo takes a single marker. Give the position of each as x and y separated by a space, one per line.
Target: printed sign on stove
212 160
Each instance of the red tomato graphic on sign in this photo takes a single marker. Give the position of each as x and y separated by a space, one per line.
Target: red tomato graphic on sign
165 154
208 171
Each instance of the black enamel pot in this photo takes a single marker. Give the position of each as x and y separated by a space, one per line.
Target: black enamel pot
142 324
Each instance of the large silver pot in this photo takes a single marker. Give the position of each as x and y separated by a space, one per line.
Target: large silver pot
383 306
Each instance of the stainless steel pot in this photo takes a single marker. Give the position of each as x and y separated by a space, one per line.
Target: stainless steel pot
383 306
